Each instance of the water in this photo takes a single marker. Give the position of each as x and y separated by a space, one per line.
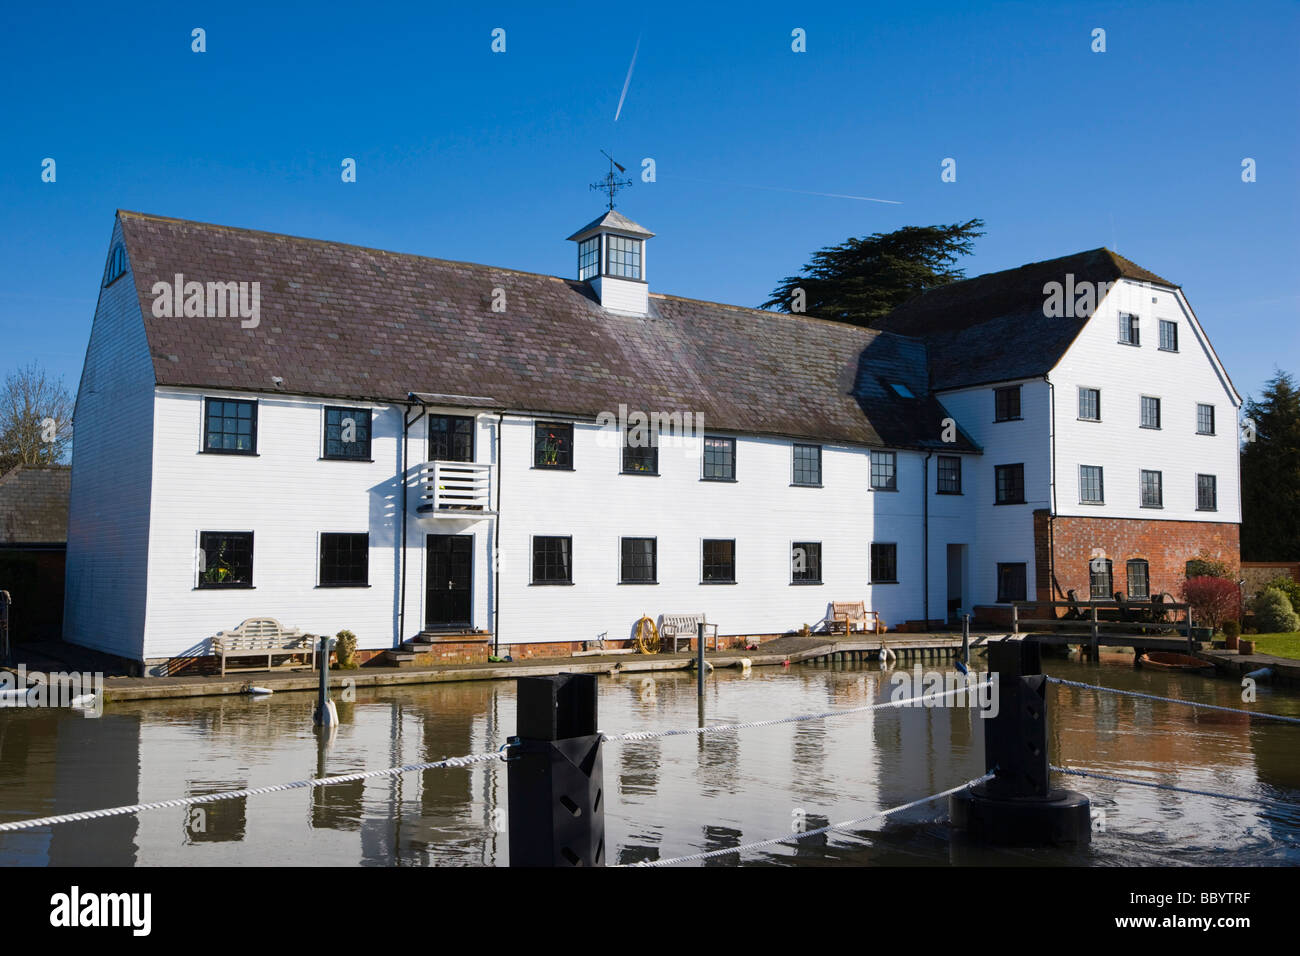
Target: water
664 798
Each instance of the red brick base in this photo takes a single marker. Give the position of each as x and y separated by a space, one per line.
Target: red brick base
1166 546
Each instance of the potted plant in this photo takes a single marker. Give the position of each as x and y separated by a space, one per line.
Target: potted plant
1231 633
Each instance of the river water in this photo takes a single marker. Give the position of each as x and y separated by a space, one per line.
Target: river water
664 798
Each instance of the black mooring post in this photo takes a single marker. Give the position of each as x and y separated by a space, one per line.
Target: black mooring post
699 659
1018 806
555 774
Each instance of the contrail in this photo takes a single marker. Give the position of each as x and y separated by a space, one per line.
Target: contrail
622 96
783 189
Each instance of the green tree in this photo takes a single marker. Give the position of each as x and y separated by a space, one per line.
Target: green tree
1270 474
35 418
861 280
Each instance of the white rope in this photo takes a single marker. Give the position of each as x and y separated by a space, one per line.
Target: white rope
1074 771
1173 700
846 825
729 728
465 761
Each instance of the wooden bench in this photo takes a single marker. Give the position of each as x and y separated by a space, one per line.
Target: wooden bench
854 616
675 628
263 637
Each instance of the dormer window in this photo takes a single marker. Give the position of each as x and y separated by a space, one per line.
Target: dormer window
116 264
624 257
588 258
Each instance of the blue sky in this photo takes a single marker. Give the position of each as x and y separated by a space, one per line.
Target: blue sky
463 153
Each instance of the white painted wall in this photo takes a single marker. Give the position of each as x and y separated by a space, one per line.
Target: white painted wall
108 514
1117 443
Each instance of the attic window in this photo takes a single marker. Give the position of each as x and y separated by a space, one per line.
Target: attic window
624 257
116 264
588 258
901 389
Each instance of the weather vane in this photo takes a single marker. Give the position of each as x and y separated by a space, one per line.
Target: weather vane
611 183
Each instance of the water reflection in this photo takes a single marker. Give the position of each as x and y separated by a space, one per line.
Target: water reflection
667 797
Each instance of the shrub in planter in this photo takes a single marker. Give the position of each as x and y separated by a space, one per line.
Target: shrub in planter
1274 614
345 651
1231 632
1212 599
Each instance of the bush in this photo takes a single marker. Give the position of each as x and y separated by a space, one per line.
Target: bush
1273 613
1288 586
1231 629
1213 600
1205 566
345 650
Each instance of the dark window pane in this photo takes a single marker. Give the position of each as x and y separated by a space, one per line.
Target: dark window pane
1011 582
640 451
806 562
1090 404
227 559
720 459
1090 484
551 560
553 445
1152 493
1006 403
1205 419
1150 412
884 563
1099 579
807 464
1010 481
1169 336
451 438
719 561
949 475
344 560
884 471
347 433
1207 493
230 426
1139 583
638 565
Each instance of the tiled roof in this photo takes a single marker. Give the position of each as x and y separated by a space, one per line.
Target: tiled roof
344 321
34 505
992 327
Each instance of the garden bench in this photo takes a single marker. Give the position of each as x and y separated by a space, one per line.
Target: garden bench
263 637
854 616
675 628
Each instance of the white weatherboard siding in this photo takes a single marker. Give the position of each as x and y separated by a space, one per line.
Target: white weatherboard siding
1003 533
108 514
1124 374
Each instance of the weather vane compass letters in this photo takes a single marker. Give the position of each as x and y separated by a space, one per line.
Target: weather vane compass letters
611 183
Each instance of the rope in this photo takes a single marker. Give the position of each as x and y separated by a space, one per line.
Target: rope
1168 786
465 761
847 824
1173 700
728 728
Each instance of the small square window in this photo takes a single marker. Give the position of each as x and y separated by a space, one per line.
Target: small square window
1168 336
1152 492
344 560
1150 412
1204 419
553 445
949 468
226 559
807 464
719 459
884 563
1207 493
639 561
1011 583
1090 404
624 257
719 562
230 427
806 562
884 470
1006 403
347 433
1091 490
1010 482
552 560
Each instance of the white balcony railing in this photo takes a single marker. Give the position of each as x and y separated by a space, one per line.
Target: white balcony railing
449 489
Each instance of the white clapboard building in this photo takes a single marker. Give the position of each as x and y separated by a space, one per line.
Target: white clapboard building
456 457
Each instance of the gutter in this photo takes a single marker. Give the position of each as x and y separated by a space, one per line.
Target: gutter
925 535
496 551
407 422
1052 586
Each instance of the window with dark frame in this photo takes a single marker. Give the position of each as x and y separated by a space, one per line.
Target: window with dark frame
640 456
1207 493
230 427
451 438
1010 482
1011 583
344 560
347 433
1152 492
1006 403
227 559
806 562
719 561
1139 580
1099 579
1150 412
639 561
1128 329
884 563
1091 489
807 464
1090 404
884 470
552 560
1204 419
553 445
949 471
719 459
1168 336
588 258
624 257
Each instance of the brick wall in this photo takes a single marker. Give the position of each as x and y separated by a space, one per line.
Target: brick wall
1165 545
